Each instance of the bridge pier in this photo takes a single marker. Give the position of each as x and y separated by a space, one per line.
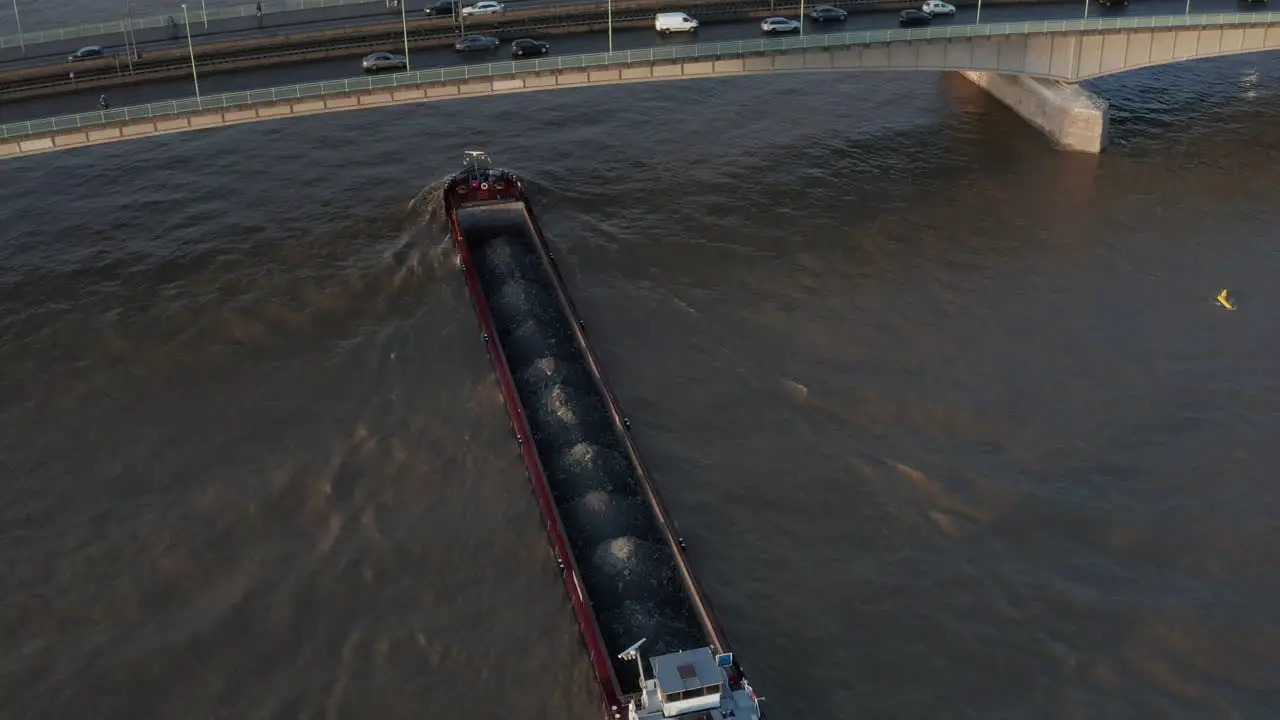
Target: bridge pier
1074 118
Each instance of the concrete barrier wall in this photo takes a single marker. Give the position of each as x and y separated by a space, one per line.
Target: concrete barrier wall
380 98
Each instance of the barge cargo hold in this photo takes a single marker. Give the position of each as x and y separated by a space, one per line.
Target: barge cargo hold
653 641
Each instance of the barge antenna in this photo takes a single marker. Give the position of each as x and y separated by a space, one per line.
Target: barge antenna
633 653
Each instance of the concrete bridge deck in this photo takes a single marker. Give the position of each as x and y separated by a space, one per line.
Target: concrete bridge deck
1031 66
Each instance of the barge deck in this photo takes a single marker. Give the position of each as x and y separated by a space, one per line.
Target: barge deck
637 602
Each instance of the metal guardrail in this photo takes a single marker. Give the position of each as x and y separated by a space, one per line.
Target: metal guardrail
160 21
736 48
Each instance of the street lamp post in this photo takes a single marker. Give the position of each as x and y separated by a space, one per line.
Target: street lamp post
610 11
128 28
204 14
192 50
977 20
1086 9
404 26
801 18
1188 7
21 43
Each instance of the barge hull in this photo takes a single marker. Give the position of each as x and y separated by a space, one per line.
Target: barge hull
590 630
504 255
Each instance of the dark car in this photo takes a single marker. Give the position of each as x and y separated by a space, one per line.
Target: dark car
826 13
441 8
908 18
525 46
87 53
1113 3
472 43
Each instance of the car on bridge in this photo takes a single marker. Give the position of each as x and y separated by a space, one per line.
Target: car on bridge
1113 3
827 13
474 43
910 18
441 8
87 53
669 22
937 7
778 25
528 46
383 61
485 7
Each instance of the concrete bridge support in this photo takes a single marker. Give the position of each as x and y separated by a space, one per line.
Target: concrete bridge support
1074 118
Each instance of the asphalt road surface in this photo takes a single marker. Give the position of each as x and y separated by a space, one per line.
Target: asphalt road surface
339 68
241 28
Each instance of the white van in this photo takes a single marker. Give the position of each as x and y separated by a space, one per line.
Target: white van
674 22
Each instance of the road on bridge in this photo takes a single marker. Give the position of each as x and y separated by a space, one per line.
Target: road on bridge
271 25
339 68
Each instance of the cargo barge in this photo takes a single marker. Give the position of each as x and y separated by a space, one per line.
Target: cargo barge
650 633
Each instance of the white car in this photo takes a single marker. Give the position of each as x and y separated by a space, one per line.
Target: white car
779 25
489 7
937 7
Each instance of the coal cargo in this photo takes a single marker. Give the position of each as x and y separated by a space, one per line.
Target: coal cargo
633 569
506 258
626 563
666 631
521 300
599 516
586 467
562 418
531 341
546 371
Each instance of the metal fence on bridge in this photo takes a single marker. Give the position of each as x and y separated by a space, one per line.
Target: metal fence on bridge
737 48
117 27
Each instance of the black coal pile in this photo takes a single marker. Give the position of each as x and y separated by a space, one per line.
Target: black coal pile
524 300
509 257
598 517
585 467
563 417
638 570
663 630
626 565
537 341
548 371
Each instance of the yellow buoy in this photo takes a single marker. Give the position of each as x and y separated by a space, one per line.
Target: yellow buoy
1225 301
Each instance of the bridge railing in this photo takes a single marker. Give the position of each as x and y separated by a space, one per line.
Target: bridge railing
117 27
736 48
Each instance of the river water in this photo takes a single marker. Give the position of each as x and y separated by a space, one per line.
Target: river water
951 420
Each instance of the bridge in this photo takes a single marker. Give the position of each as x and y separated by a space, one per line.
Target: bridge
1034 67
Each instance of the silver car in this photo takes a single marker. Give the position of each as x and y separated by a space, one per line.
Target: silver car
776 25
383 61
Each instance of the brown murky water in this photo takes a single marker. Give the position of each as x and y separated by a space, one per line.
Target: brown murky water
951 421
